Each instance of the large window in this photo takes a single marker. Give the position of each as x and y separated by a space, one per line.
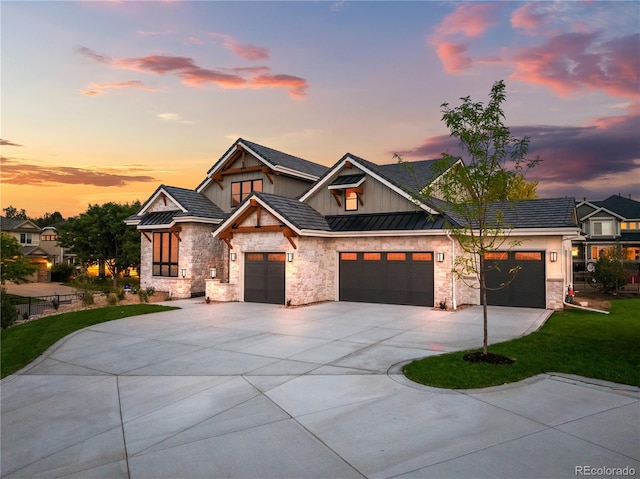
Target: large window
603 228
25 238
165 254
241 189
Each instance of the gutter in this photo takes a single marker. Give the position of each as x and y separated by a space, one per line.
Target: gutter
584 308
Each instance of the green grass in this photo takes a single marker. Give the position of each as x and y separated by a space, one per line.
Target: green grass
19 345
572 341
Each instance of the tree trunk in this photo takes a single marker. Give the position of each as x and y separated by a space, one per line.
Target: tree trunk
483 300
101 269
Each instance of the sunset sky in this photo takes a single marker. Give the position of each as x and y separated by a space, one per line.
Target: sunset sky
104 101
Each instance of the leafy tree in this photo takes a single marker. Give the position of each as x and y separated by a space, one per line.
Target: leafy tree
13 213
474 189
99 235
13 265
49 219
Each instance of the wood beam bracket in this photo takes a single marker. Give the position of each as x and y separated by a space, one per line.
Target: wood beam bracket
336 195
146 236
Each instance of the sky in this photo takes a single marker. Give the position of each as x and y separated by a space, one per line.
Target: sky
105 101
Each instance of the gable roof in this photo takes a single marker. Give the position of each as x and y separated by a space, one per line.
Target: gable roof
11 224
192 206
299 214
278 161
393 176
623 207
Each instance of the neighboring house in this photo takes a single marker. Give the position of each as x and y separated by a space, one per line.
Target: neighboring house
279 229
28 235
49 243
606 225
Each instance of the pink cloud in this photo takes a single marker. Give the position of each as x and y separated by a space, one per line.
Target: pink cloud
97 88
196 76
529 18
244 50
453 56
8 143
469 19
297 86
574 61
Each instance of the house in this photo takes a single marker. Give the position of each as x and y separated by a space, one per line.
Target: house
273 228
178 251
28 235
609 224
56 253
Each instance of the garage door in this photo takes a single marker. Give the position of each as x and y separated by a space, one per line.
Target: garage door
527 288
264 278
387 277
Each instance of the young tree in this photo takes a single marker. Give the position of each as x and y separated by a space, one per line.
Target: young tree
474 189
13 265
100 236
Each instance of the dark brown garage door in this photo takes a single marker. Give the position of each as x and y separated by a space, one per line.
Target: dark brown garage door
264 278
387 277
527 288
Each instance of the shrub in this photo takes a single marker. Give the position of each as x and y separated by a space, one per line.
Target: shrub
120 293
112 299
143 295
61 273
9 313
87 298
609 274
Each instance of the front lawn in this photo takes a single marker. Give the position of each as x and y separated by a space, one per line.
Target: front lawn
571 341
21 344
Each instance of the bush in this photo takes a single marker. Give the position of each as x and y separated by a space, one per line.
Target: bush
609 273
87 298
9 313
61 273
120 293
112 299
143 295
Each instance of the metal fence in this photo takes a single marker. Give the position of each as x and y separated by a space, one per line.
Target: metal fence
36 305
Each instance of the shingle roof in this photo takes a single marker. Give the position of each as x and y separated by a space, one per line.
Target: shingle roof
414 220
625 207
538 213
299 214
275 157
196 204
8 224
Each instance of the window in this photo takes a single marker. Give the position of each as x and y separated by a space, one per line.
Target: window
49 237
575 251
603 228
629 225
396 256
241 189
528 256
372 256
165 254
25 238
351 200
496 256
349 256
421 256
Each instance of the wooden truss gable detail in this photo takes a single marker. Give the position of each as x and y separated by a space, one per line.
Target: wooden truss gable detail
227 170
254 207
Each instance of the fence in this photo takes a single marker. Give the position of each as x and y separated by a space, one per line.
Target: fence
36 305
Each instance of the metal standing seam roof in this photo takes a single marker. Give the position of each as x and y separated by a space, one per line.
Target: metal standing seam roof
347 179
402 221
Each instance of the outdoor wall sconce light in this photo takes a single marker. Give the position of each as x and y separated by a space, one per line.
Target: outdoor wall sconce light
554 256
440 257
213 272
233 256
183 272
289 257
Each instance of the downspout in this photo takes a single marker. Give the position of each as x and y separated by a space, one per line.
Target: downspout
453 283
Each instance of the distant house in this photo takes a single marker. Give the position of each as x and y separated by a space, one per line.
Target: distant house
28 235
265 226
49 243
613 223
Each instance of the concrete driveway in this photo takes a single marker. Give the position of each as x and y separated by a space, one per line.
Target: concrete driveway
259 391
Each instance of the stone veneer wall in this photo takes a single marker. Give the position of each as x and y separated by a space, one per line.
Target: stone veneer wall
198 251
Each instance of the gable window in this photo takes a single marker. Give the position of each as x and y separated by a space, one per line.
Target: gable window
241 189
25 238
351 200
49 237
165 254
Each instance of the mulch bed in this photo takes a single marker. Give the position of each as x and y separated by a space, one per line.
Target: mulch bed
489 358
